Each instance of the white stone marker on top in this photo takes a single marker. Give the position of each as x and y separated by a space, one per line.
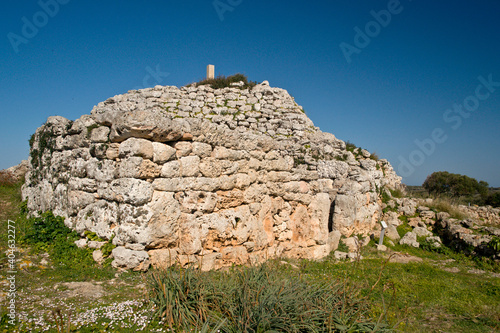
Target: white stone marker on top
210 72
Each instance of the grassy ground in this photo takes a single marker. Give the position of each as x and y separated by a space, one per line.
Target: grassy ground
416 291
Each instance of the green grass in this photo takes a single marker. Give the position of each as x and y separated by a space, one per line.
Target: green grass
444 204
222 81
262 298
426 298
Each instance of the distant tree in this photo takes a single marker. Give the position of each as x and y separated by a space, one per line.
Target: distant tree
455 185
493 199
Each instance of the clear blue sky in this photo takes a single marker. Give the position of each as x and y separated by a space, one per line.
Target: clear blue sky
397 87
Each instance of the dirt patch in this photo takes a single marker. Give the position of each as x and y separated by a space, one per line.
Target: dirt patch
451 269
404 258
83 289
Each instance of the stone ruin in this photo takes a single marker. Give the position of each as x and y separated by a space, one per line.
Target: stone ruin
194 175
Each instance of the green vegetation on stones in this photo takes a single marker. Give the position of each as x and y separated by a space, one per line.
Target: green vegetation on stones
260 299
222 81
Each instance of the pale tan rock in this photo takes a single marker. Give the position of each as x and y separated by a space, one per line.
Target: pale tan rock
164 224
183 148
171 169
113 151
192 201
201 149
100 134
189 166
137 167
136 147
163 258
162 153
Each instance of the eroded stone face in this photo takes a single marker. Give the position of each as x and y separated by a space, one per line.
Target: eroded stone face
205 177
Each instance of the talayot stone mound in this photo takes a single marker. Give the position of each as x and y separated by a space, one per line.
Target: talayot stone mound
197 175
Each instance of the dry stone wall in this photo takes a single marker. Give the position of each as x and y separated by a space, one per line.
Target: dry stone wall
197 175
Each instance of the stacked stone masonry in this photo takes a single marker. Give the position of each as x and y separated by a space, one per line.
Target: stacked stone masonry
204 176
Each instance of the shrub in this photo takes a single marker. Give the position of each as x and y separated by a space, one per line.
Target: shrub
455 185
222 81
180 297
48 233
397 193
493 199
258 299
349 146
444 204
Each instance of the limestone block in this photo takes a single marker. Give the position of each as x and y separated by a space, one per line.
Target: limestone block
57 125
99 217
164 224
183 148
162 153
410 238
78 200
189 166
391 232
428 214
163 258
210 261
223 153
134 215
137 167
192 201
213 168
97 256
235 255
333 240
129 259
420 232
82 124
98 150
82 184
171 169
95 244
229 199
100 134
136 147
202 149
128 190
280 164
102 171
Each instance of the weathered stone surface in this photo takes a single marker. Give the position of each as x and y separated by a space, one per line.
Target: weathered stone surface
162 153
208 177
136 147
410 238
391 232
129 190
421 232
100 134
137 167
129 259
